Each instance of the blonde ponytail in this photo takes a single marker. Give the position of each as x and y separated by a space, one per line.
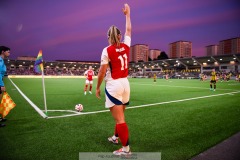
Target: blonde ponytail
113 35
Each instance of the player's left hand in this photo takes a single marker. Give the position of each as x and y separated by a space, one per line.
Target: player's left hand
126 9
98 91
3 89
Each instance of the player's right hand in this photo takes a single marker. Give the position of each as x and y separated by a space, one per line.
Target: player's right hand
98 91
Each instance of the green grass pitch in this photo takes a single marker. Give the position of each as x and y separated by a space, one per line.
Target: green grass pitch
179 118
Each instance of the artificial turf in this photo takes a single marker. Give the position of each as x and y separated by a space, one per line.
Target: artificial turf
177 129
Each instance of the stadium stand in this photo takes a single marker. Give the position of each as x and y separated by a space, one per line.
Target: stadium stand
182 68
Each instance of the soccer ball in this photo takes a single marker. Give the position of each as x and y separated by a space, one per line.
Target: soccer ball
79 107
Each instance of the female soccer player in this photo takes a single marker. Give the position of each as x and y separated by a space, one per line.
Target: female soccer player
154 77
213 80
167 76
89 80
114 67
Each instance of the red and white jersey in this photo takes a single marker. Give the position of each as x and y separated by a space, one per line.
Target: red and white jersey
117 58
89 73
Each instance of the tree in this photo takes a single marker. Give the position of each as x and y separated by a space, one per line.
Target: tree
163 55
149 59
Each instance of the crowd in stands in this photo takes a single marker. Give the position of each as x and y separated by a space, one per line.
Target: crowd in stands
162 74
47 71
172 74
222 75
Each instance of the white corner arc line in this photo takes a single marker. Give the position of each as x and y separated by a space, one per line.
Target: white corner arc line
62 111
147 105
29 101
77 114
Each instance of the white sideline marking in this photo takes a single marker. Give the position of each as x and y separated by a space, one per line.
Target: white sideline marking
182 100
147 105
29 101
181 86
233 84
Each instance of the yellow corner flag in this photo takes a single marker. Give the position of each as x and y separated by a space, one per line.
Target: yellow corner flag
6 105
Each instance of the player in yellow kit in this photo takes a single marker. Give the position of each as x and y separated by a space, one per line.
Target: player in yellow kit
154 78
213 80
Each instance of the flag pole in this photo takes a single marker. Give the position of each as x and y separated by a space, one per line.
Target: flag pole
44 92
38 67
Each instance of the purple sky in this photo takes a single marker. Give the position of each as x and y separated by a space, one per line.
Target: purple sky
76 29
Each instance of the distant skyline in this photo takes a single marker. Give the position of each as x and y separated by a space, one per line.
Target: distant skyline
76 30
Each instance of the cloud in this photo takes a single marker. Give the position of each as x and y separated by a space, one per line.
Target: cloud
170 24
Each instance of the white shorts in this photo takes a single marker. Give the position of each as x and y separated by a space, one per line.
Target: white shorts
117 92
89 82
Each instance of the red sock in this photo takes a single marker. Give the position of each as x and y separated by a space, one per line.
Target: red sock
122 130
115 131
90 88
85 89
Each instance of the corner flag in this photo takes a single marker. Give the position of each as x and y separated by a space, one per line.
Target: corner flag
6 105
38 65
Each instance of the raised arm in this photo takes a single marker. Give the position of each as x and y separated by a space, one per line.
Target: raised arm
126 11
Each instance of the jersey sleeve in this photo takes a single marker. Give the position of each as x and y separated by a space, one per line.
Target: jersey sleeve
127 41
104 57
1 73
